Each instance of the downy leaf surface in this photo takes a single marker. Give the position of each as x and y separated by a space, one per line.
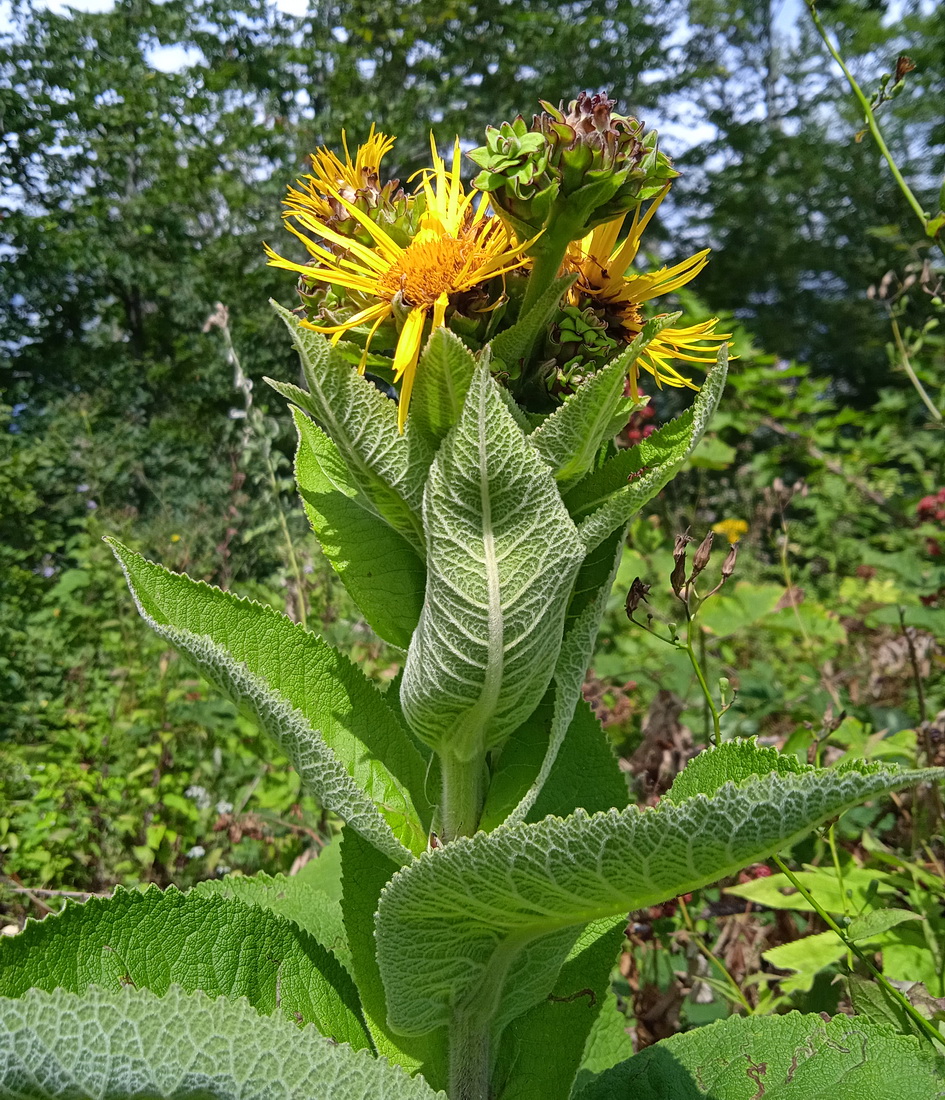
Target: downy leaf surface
323 712
569 439
607 500
444 371
106 1044
381 570
389 467
459 919
311 898
502 556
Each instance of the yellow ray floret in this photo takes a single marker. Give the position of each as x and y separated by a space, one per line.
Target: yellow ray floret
350 178
456 248
603 282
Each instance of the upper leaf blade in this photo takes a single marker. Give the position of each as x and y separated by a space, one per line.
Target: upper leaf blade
502 556
154 940
569 439
790 1057
444 372
389 468
116 1044
310 898
615 504
487 899
380 569
332 723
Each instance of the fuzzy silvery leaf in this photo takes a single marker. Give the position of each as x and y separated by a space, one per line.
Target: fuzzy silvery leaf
570 438
381 570
106 1044
607 503
458 920
389 467
344 741
502 554
587 607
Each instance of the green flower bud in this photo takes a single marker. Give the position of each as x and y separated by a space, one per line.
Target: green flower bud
581 166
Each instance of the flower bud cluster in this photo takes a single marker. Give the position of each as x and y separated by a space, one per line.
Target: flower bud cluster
583 158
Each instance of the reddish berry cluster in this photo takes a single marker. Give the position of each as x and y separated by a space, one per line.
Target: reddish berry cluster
638 428
931 509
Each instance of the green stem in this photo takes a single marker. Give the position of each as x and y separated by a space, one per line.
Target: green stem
469 1058
872 123
913 377
461 804
697 668
926 1027
738 995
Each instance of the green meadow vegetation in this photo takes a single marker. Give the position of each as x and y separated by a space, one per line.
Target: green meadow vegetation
565 730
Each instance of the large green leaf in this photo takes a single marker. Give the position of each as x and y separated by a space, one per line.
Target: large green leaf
585 771
444 372
344 741
366 871
389 467
542 1050
312 898
458 920
154 940
570 438
502 557
790 1057
107 1044
585 610
608 500
380 569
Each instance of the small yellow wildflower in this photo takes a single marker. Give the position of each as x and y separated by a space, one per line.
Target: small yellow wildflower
456 248
175 538
604 284
732 529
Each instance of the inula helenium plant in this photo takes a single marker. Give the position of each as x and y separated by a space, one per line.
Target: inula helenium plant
469 352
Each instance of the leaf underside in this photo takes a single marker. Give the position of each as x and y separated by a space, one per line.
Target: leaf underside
458 916
107 1044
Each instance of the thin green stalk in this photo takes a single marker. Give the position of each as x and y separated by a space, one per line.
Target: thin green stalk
712 957
907 367
871 122
697 668
926 1027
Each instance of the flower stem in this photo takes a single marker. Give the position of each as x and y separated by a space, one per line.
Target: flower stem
872 124
462 790
926 1027
700 676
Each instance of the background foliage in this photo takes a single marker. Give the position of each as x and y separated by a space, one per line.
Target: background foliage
144 154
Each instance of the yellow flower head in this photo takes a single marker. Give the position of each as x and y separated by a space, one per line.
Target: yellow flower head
351 180
603 283
732 529
455 248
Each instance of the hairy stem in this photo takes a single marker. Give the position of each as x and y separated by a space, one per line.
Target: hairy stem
461 804
469 1058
